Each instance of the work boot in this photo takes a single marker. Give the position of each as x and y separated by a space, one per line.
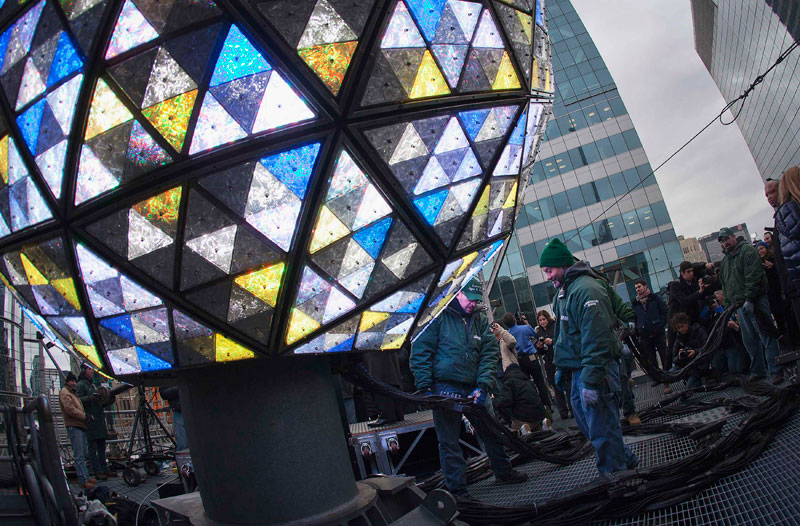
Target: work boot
667 389
91 480
87 485
778 378
512 477
634 420
110 474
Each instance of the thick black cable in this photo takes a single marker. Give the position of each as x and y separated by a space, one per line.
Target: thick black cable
759 79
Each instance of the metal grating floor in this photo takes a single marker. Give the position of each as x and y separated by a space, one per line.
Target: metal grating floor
766 492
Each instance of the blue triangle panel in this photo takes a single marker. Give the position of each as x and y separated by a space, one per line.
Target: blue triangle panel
413 307
518 135
427 14
371 239
4 38
344 346
121 326
539 13
29 123
473 121
237 59
294 167
151 362
65 61
430 205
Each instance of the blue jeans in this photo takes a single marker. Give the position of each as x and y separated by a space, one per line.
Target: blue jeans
97 456
80 449
600 423
730 359
757 342
448 429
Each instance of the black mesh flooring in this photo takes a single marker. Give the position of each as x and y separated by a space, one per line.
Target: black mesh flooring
765 492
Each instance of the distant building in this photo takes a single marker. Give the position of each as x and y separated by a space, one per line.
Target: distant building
692 251
737 40
713 249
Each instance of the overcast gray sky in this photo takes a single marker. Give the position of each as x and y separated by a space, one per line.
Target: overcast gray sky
649 49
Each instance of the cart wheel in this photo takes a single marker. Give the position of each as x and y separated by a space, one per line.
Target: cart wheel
131 476
152 468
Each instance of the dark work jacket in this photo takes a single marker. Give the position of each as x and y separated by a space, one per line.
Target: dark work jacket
96 429
694 339
519 396
650 318
684 297
384 366
787 221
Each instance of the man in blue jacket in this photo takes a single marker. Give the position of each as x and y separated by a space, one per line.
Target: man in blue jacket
457 356
587 348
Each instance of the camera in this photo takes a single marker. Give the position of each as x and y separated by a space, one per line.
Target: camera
541 338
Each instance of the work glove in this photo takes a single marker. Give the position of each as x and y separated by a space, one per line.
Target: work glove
589 397
478 396
631 326
749 306
561 380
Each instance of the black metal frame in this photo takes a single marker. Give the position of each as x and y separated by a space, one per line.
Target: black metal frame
144 414
341 121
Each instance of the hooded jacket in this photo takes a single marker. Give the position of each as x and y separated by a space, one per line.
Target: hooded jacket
519 397
741 274
456 348
586 312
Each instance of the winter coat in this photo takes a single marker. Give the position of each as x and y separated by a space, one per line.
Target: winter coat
508 354
456 348
650 318
72 408
547 350
694 339
787 222
96 429
173 398
684 296
519 396
584 324
788 288
523 333
741 274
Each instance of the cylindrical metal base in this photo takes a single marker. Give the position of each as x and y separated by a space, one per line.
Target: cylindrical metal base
266 440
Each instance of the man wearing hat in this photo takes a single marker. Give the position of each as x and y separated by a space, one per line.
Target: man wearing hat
743 280
586 349
457 356
75 421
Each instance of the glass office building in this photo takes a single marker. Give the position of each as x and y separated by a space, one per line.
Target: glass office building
739 39
591 158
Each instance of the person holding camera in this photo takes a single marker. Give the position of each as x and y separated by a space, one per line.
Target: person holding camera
75 420
529 357
688 342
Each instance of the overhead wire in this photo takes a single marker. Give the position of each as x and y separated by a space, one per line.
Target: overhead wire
719 117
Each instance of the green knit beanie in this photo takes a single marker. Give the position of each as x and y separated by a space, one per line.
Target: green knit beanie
556 254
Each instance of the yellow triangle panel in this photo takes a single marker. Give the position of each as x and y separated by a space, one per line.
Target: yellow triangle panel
430 81
393 341
527 25
171 117
300 325
264 284
370 319
482 208
229 350
511 200
32 273
4 159
330 62
328 229
506 76
90 353
66 288
106 112
162 210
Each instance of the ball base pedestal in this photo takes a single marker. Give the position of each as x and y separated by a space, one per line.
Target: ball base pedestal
267 442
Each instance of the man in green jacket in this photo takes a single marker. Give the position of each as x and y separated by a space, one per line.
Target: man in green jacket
586 348
457 356
96 427
743 279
